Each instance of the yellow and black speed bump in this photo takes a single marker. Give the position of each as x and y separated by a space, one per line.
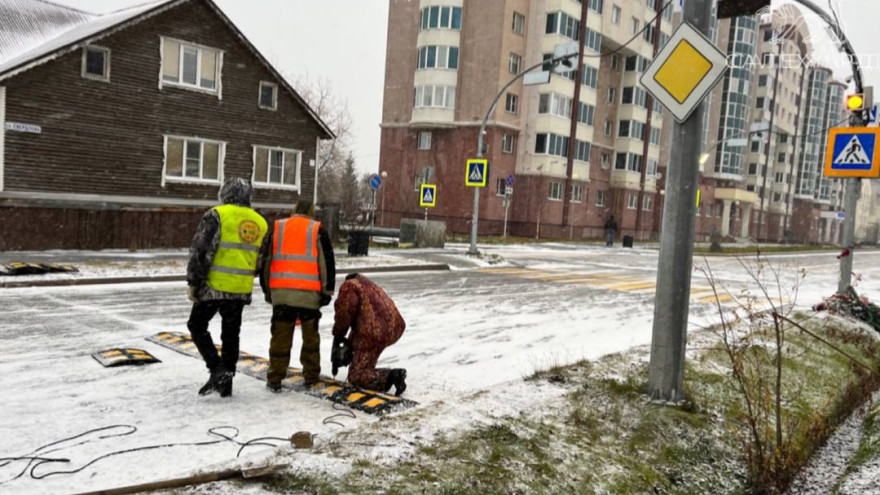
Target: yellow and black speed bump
18 268
123 357
368 401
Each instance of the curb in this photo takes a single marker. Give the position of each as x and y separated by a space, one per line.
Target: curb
182 278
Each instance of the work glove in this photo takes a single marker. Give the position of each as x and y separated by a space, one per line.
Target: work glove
192 293
325 299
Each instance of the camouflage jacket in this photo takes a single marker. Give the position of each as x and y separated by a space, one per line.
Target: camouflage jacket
367 309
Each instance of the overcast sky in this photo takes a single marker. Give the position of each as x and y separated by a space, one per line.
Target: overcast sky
344 41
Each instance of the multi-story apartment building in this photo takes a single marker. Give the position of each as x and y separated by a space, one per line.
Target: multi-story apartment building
448 59
572 165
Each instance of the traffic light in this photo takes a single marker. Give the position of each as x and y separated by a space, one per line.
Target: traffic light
856 102
736 8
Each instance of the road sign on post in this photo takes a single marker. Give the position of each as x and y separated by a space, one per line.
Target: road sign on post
569 50
684 71
428 196
477 174
375 182
853 152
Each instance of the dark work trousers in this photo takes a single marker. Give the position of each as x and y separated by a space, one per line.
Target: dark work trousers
201 315
283 322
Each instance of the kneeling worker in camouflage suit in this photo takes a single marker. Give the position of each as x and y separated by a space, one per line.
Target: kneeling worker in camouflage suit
298 278
220 278
375 324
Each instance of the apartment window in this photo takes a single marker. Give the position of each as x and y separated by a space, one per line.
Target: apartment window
780 158
276 167
606 160
508 143
768 34
777 197
441 17
634 96
555 192
590 76
632 201
652 167
780 177
767 59
615 62
593 40
434 97
577 193
515 63
628 161
426 176
635 25
511 104
656 132
438 57
586 113
753 168
600 198
783 138
96 63
501 186
563 24
632 129
647 203
597 5
609 125
554 104
582 150
425 140
519 22
193 160
756 146
551 144
762 81
612 94
268 95
635 63
759 103
615 14
191 66
648 33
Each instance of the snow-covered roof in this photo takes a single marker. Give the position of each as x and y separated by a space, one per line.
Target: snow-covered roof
33 32
59 31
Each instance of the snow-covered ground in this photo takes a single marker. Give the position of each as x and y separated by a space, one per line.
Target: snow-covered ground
468 330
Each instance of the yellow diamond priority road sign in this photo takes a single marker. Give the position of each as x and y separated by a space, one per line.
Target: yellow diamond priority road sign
684 71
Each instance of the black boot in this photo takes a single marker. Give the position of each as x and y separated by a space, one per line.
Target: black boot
208 387
396 378
224 384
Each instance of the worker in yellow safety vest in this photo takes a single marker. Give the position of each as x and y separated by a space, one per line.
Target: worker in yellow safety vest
298 278
220 278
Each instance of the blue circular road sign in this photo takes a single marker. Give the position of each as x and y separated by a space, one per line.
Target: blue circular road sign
375 181
510 180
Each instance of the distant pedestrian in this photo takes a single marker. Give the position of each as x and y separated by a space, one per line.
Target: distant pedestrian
220 278
375 324
298 278
610 231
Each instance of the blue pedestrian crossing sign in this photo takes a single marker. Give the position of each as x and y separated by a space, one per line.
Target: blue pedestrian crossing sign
477 173
428 196
853 152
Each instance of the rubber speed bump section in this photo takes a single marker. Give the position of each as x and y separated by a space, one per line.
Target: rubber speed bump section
124 357
18 268
368 401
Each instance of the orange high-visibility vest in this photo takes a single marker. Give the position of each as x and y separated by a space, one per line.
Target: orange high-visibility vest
295 255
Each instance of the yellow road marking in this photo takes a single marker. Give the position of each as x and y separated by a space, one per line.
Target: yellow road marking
721 298
636 286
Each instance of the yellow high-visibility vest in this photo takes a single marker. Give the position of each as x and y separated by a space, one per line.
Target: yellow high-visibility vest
235 263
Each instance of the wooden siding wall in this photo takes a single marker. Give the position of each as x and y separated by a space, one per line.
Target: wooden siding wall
107 138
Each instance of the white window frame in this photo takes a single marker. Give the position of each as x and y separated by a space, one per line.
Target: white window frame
555 187
514 65
615 14
501 187
274 96
511 97
86 75
218 70
632 201
273 185
221 159
508 143
601 197
421 141
579 197
521 24
648 203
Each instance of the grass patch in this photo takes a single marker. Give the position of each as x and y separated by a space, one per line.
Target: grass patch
764 249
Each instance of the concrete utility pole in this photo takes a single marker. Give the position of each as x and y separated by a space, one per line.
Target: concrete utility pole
770 135
666 370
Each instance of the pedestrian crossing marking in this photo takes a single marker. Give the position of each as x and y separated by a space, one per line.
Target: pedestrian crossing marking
645 285
721 298
325 388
